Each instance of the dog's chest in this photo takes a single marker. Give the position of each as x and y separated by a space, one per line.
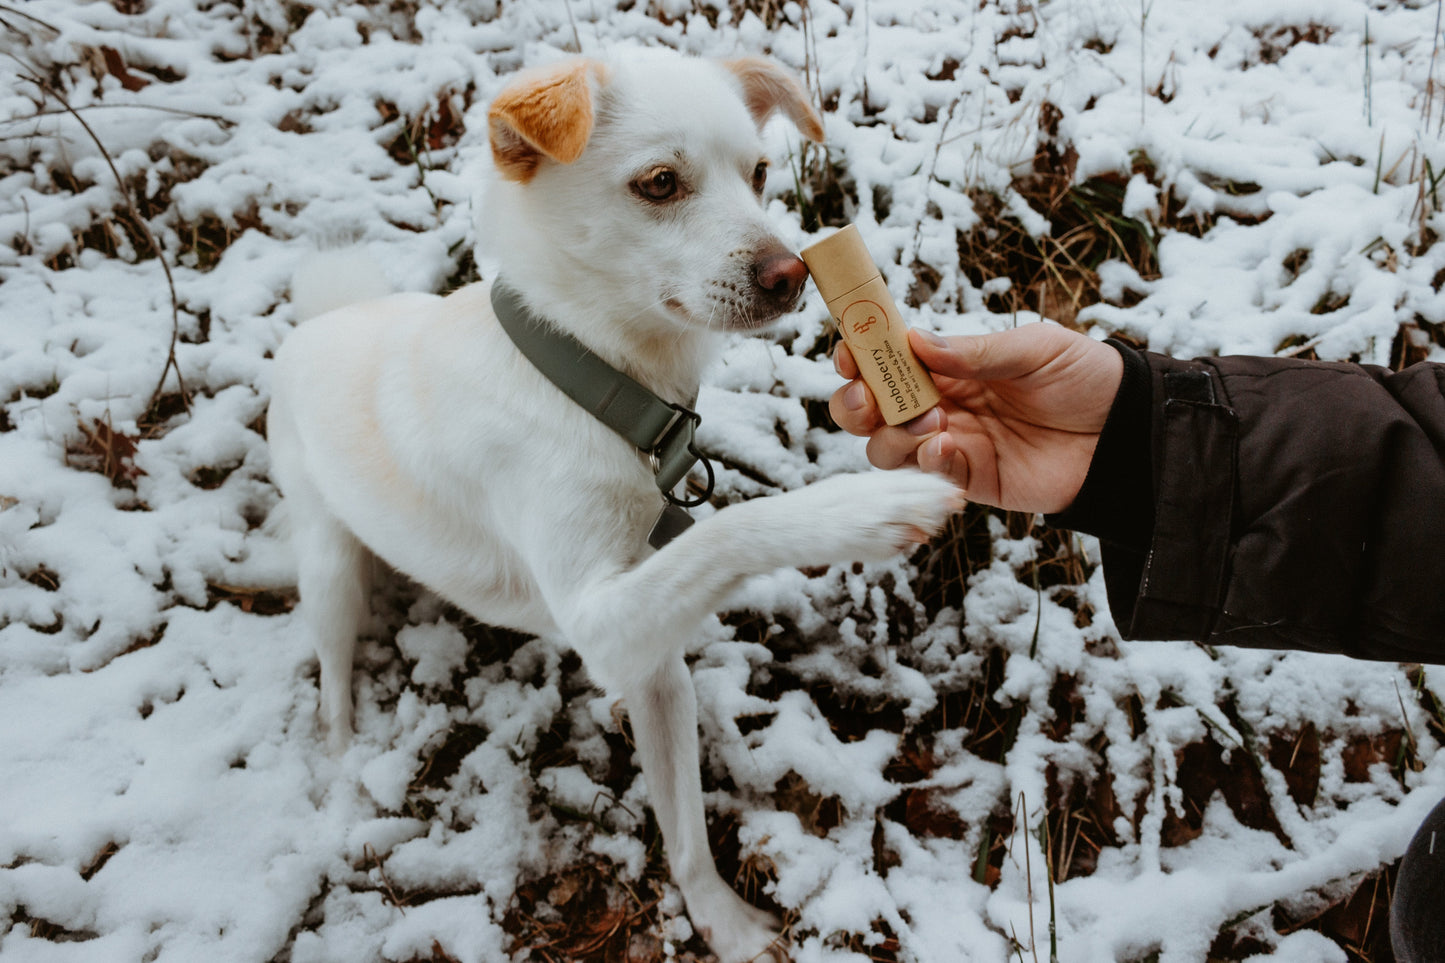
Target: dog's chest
506 523
500 492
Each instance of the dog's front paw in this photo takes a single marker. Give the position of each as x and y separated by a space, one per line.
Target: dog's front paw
879 514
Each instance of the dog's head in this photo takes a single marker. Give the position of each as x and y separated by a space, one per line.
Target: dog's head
636 185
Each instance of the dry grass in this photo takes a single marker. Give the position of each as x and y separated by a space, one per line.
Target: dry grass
587 911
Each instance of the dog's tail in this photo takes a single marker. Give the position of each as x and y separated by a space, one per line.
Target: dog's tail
327 280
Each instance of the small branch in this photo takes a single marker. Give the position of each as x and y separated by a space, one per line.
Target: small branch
1430 75
33 19
214 118
576 38
150 239
933 170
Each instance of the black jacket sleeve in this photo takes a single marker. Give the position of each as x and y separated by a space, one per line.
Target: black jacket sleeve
1273 503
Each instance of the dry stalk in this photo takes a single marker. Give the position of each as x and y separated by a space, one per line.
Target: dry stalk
1430 85
369 852
21 13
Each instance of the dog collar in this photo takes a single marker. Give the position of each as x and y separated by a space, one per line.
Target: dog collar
663 431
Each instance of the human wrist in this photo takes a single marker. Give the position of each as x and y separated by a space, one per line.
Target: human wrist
1116 500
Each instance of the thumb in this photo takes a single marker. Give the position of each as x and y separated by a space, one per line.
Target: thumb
988 357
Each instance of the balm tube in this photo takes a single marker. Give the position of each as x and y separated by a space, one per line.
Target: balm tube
869 322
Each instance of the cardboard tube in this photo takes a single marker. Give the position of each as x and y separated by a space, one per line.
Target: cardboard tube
869 322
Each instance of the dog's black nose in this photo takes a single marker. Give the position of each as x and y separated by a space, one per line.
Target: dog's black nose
781 275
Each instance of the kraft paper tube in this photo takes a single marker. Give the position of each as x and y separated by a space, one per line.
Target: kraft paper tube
869 322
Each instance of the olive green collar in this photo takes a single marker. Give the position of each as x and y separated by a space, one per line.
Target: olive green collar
663 431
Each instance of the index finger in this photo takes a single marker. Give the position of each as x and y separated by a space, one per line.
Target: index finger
843 361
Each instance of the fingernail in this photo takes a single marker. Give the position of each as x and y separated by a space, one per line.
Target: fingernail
927 423
931 338
855 397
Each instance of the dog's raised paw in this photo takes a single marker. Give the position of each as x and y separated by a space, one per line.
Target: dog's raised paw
878 514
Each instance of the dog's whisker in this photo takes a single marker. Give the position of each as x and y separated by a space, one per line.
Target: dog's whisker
636 319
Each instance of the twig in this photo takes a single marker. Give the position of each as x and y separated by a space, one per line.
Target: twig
1143 24
1017 947
369 851
1369 82
866 19
1053 911
576 38
1023 817
144 228
33 19
933 169
1038 604
222 121
420 168
1409 730
1430 75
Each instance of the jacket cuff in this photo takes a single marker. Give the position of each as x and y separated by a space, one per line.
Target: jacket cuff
1116 502
1195 443
1159 495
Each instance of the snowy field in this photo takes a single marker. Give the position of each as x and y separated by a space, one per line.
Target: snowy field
948 757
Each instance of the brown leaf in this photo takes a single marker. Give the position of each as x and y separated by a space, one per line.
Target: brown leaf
915 761
817 813
98 863
253 601
440 955
1203 771
1067 705
1365 752
110 452
1361 921
43 578
923 813
293 123
445 128
1177 830
1298 758
567 886
115 64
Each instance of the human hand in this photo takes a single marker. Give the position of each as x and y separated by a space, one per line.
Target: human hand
1020 416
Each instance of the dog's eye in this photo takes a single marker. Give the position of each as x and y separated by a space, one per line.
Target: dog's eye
760 176
659 184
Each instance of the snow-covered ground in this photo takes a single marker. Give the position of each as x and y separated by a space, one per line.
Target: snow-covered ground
886 748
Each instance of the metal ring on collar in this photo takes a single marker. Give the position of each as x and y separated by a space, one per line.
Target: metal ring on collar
707 489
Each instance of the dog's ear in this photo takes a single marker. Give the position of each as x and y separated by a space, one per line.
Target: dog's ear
768 87
543 114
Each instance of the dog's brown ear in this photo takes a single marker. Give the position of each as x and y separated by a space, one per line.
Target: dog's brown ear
542 114
768 87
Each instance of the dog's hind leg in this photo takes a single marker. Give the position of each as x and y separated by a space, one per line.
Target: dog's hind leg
333 570
663 711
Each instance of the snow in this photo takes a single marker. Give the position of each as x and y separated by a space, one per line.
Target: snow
165 795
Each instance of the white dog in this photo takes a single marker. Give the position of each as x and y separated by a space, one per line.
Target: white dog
625 213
